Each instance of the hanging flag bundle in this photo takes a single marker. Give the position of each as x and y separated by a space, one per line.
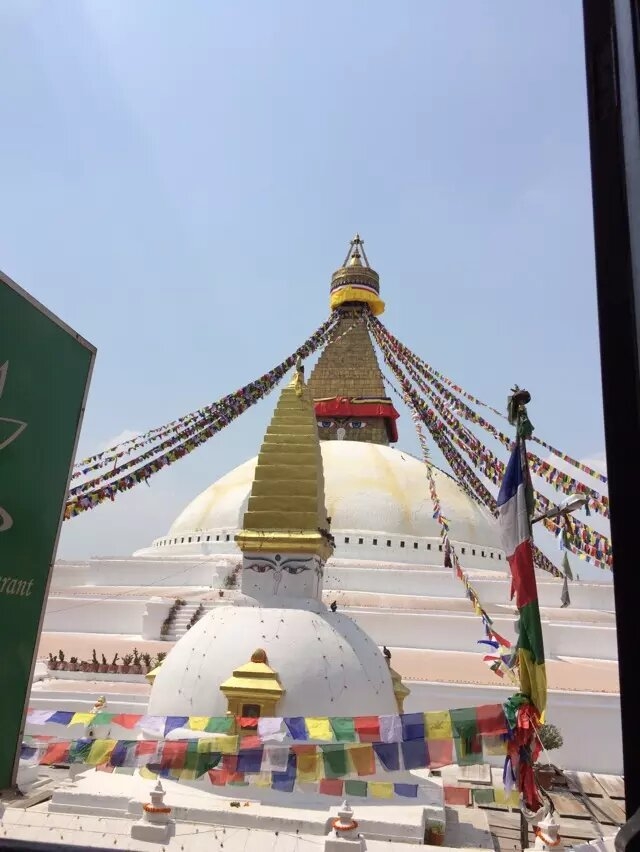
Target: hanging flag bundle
515 507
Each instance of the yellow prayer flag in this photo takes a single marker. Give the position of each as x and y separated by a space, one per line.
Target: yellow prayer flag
308 766
438 725
362 758
319 728
198 723
100 752
511 799
147 773
263 779
224 745
81 719
494 746
381 789
187 775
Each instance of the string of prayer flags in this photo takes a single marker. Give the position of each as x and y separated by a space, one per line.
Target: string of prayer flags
107 456
499 667
229 731
281 766
227 410
585 542
432 372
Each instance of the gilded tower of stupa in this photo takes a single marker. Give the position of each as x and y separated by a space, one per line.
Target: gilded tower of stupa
346 384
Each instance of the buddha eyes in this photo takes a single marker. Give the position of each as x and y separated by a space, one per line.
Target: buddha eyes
350 424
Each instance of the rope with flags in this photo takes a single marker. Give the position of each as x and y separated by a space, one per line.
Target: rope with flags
219 415
434 374
581 539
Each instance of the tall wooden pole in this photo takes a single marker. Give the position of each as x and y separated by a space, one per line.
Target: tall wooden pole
612 61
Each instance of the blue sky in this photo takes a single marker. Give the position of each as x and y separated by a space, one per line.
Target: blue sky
180 180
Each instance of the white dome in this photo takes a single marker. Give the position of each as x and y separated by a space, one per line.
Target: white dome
368 488
326 664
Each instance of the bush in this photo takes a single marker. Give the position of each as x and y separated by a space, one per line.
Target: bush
550 737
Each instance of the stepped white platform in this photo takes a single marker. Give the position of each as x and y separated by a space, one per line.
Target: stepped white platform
418 611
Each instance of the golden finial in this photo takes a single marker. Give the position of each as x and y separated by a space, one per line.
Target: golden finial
298 379
356 282
259 656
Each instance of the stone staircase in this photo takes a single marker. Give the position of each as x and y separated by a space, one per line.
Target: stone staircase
183 617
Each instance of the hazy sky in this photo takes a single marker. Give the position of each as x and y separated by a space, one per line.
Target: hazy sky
179 180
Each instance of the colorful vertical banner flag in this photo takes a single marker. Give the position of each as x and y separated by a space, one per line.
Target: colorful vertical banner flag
515 531
45 370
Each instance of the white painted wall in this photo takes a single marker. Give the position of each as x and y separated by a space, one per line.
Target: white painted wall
365 546
67 574
589 722
97 615
153 572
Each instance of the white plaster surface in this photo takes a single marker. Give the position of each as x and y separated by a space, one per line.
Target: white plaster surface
367 487
326 663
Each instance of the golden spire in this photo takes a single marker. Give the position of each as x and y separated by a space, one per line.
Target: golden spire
286 511
356 283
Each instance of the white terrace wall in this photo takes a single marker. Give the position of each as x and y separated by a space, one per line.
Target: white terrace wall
589 722
94 615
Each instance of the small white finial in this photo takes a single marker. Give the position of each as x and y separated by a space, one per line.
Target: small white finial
155 824
344 835
547 833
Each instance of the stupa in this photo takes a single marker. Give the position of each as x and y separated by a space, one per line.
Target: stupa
381 562
278 650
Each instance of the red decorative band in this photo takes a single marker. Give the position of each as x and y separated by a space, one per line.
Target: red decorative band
150 809
342 406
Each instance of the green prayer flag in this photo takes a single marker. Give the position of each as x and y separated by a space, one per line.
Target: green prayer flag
344 729
79 751
335 761
484 796
355 788
102 719
219 725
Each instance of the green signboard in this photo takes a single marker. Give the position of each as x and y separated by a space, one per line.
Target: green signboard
45 369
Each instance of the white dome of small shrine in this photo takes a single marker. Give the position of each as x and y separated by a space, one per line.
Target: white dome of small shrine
326 664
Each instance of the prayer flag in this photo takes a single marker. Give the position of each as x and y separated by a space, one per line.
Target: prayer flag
81 719
438 725
100 751
355 788
381 789
319 728
344 729
515 531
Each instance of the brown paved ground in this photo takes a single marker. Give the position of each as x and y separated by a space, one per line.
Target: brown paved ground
460 667
413 664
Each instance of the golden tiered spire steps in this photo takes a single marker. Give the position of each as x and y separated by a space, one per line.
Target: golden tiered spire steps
286 511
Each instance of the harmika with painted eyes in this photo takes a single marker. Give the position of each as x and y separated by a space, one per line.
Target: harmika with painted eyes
341 425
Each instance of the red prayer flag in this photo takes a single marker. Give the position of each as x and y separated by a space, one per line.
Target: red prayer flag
331 787
56 753
440 753
456 795
367 728
491 719
173 755
126 720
